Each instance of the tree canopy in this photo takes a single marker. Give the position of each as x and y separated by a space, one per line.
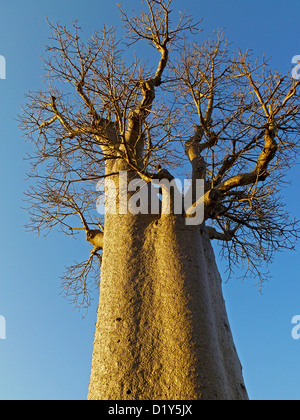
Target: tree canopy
224 111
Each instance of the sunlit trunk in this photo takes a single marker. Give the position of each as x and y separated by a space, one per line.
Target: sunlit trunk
162 330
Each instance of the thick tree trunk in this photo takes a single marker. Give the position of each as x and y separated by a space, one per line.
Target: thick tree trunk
162 330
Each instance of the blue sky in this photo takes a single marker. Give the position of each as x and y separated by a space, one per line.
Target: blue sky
48 349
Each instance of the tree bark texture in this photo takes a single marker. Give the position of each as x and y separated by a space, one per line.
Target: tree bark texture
162 330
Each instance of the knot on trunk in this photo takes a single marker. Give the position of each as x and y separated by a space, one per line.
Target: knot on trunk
95 237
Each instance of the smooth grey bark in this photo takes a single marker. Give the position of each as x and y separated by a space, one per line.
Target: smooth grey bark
162 330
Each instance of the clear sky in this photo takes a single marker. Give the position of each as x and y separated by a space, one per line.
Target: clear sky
48 347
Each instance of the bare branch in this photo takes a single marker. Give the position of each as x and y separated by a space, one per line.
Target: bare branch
100 113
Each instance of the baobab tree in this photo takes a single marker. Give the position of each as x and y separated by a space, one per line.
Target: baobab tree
195 109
